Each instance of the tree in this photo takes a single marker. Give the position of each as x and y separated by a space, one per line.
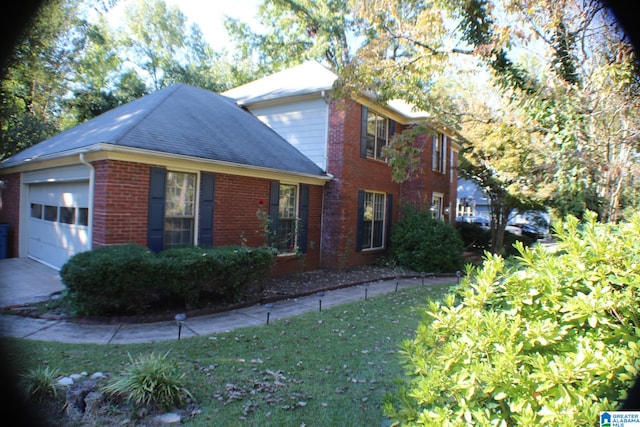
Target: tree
544 339
295 31
575 104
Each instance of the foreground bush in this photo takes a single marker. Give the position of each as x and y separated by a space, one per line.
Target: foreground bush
150 380
129 279
421 242
544 339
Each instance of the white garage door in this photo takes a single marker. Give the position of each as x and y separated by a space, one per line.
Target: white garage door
58 221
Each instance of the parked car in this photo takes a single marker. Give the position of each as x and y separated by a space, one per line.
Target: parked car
479 220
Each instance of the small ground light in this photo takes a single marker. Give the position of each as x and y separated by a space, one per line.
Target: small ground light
422 275
320 295
180 319
268 307
458 273
397 282
366 289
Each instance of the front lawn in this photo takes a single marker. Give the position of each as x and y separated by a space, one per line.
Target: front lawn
320 369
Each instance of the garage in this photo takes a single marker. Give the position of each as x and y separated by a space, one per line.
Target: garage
58 221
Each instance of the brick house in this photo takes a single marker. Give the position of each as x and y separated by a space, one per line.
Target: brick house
274 161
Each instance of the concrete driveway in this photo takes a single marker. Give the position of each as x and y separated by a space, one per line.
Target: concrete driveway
23 281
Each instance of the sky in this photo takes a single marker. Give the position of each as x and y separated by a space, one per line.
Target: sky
209 15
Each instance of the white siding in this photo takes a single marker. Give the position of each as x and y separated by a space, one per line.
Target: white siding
302 123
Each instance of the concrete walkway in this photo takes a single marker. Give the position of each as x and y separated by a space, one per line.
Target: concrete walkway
23 280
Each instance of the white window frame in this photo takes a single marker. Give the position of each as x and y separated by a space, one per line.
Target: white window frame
288 212
437 205
438 155
375 138
373 200
187 213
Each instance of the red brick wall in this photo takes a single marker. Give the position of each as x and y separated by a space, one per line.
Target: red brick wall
10 211
351 174
121 209
121 203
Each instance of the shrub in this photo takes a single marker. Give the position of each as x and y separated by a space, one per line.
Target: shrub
421 242
129 279
219 272
543 339
40 383
150 380
110 279
474 236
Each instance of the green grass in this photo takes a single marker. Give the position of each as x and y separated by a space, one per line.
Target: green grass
319 369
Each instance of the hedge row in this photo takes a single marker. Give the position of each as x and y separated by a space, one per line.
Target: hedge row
130 279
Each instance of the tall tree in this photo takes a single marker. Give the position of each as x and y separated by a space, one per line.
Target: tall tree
293 31
38 74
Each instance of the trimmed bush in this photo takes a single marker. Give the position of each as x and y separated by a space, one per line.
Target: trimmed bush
218 273
543 339
111 280
129 279
421 242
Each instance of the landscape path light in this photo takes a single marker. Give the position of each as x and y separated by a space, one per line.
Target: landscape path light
366 289
180 319
320 295
268 307
458 273
397 282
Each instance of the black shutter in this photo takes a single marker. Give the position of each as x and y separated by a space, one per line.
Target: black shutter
389 219
207 192
155 220
274 208
360 220
303 212
392 129
363 132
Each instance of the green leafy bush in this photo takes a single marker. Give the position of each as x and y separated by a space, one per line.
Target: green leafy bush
421 242
129 279
544 339
111 279
218 272
150 380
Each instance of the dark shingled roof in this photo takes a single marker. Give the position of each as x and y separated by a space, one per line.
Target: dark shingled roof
182 120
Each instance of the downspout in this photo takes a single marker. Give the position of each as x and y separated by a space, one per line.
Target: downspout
92 179
324 187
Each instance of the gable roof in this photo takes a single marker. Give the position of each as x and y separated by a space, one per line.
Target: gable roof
181 120
308 77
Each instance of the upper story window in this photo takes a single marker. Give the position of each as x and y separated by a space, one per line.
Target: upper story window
438 156
377 135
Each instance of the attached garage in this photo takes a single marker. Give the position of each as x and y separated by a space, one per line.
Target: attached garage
57 215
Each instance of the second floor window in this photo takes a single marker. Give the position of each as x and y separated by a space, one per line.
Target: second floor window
377 135
439 159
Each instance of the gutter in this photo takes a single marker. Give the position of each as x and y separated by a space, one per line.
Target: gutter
92 180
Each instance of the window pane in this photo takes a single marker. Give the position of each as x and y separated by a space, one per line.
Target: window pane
36 210
67 215
51 213
373 221
286 239
83 216
178 232
180 199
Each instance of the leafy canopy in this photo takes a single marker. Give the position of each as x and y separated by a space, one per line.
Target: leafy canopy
547 338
